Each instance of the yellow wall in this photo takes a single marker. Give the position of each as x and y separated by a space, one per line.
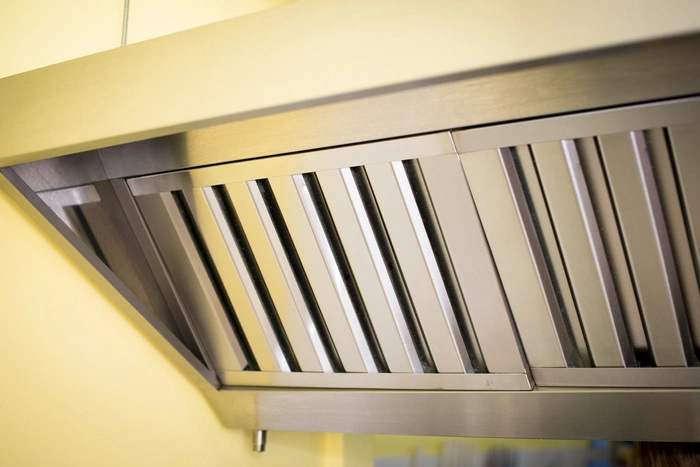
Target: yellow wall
37 33
79 384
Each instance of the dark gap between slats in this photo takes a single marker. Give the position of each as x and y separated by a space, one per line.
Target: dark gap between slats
395 275
580 359
341 260
686 227
256 276
585 360
444 262
645 357
300 275
213 274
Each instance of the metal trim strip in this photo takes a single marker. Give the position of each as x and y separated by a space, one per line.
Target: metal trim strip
617 377
418 382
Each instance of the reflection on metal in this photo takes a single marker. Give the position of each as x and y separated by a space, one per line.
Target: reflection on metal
462 274
381 268
259 440
582 249
386 381
336 276
646 240
614 378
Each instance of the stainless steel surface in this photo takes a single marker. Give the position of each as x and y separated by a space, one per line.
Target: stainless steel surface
500 218
218 239
159 69
159 270
380 381
271 281
121 251
60 200
259 440
582 248
192 279
316 161
646 238
368 283
592 168
381 270
580 125
449 312
685 143
342 323
299 330
614 378
613 414
472 262
596 81
107 282
63 172
125 22
336 276
541 222
415 272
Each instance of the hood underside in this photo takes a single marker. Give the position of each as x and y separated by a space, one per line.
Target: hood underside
551 251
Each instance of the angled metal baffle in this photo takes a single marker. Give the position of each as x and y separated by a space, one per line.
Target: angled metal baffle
536 277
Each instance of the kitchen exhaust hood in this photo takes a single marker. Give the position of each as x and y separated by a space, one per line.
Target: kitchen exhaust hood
512 254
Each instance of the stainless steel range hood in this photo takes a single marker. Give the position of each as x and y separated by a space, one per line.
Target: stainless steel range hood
418 261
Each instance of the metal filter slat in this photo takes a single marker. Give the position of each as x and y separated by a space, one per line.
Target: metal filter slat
207 213
299 329
189 273
349 216
521 275
646 237
472 262
340 317
582 248
441 340
685 142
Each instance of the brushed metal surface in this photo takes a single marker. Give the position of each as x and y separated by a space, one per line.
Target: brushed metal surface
63 172
510 247
381 269
59 200
342 322
175 303
422 382
440 340
613 414
592 167
254 323
472 262
350 233
315 161
685 142
641 73
448 310
70 196
646 239
614 378
299 334
541 228
189 273
580 124
334 269
579 238
107 282
662 69
120 249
